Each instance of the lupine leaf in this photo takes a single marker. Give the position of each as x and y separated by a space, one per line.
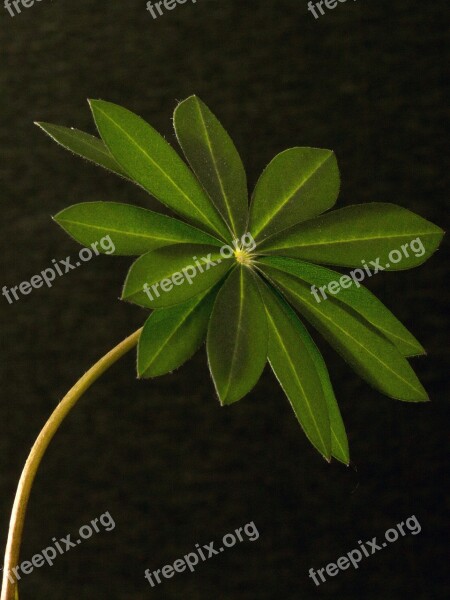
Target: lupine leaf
84 145
172 335
363 231
299 183
133 230
183 275
370 354
360 299
157 267
295 369
237 336
153 163
214 159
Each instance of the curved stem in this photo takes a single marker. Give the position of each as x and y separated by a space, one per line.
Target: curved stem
9 585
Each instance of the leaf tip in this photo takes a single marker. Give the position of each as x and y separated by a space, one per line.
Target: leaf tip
181 103
222 399
58 218
122 297
228 398
44 126
423 397
344 460
419 351
94 103
192 97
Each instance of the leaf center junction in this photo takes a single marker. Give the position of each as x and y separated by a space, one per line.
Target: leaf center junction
243 256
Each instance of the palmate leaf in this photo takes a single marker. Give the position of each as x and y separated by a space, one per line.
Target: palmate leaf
247 319
370 354
153 163
237 336
363 231
175 273
133 230
85 145
299 183
359 299
172 335
303 375
213 157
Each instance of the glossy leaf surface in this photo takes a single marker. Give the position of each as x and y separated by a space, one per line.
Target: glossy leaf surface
213 157
296 371
175 275
370 354
153 163
132 229
237 336
299 183
83 144
172 335
363 232
359 299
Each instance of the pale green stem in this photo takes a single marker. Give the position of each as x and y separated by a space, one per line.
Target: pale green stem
9 585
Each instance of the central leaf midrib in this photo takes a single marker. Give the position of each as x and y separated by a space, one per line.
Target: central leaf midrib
348 241
216 168
338 441
122 232
238 335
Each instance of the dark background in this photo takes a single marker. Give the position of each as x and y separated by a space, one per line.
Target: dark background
171 466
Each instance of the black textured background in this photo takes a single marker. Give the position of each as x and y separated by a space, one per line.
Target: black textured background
171 466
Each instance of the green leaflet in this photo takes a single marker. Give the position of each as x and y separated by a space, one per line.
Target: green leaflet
358 298
237 336
153 163
84 145
214 159
299 183
339 441
177 273
295 369
370 354
363 231
172 335
133 230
